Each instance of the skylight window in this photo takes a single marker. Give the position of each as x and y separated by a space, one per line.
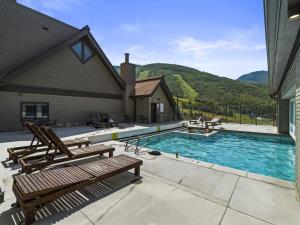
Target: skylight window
82 51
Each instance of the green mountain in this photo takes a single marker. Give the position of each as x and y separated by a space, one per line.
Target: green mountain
203 89
257 77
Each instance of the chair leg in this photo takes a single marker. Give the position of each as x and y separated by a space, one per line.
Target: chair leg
137 171
15 205
111 154
15 159
29 215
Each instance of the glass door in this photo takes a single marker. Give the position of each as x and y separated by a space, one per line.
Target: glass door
292 118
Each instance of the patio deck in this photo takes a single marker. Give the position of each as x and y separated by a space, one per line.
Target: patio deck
267 129
172 191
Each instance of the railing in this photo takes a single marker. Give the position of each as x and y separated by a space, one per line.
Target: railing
243 114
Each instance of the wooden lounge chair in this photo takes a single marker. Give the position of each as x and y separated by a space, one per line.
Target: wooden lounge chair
101 120
31 163
40 143
36 189
213 122
197 122
107 121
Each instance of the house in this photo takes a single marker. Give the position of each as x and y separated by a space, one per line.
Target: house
283 41
50 70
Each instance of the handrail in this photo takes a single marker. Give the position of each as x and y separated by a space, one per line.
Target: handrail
136 144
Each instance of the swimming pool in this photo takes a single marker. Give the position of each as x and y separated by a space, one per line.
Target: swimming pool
268 155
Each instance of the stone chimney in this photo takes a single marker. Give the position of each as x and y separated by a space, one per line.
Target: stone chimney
127 71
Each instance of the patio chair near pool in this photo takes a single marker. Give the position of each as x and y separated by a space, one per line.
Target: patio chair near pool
34 190
213 122
197 122
40 143
61 153
101 120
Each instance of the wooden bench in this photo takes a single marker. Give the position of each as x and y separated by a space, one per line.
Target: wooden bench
36 189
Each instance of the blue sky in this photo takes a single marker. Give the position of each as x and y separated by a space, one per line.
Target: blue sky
224 37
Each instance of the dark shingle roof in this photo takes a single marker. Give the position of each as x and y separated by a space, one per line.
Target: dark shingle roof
146 87
26 33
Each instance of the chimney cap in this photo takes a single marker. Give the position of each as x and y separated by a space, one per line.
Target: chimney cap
127 57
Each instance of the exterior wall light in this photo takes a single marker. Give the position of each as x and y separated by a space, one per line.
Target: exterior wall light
294 10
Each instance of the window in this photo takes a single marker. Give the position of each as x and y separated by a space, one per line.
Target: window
34 111
161 107
87 52
292 118
82 51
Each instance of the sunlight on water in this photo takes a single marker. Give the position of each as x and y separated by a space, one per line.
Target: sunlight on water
268 155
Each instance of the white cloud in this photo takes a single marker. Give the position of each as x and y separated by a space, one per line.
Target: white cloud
200 48
140 54
57 5
234 54
130 27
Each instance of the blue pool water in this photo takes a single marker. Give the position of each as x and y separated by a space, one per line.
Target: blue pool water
268 155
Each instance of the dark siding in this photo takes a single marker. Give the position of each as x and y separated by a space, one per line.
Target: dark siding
22 36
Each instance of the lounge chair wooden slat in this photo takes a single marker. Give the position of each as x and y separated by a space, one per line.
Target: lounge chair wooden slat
123 160
52 179
34 190
64 176
89 149
96 169
31 184
40 161
43 144
58 178
26 184
114 164
38 181
22 186
45 184
47 177
48 183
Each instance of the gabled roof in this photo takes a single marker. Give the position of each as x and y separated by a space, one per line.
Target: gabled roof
33 36
26 33
147 87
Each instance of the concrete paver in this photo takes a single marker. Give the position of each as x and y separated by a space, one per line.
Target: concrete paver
265 201
172 192
152 202
236 218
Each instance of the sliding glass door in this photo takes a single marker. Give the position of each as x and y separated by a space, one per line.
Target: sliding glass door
292 118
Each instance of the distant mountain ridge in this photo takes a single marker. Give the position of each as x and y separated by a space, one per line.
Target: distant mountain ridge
256 77
192 85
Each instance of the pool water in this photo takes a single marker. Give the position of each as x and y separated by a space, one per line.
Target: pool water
269 155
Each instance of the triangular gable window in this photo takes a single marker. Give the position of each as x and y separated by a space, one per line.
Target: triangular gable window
87 52
82 51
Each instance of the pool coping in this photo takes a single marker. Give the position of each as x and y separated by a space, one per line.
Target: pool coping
226 169
230 170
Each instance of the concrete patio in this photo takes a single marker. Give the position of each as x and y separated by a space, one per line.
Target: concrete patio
172 191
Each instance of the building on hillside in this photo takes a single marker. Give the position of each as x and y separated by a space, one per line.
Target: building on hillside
50 70
282 20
